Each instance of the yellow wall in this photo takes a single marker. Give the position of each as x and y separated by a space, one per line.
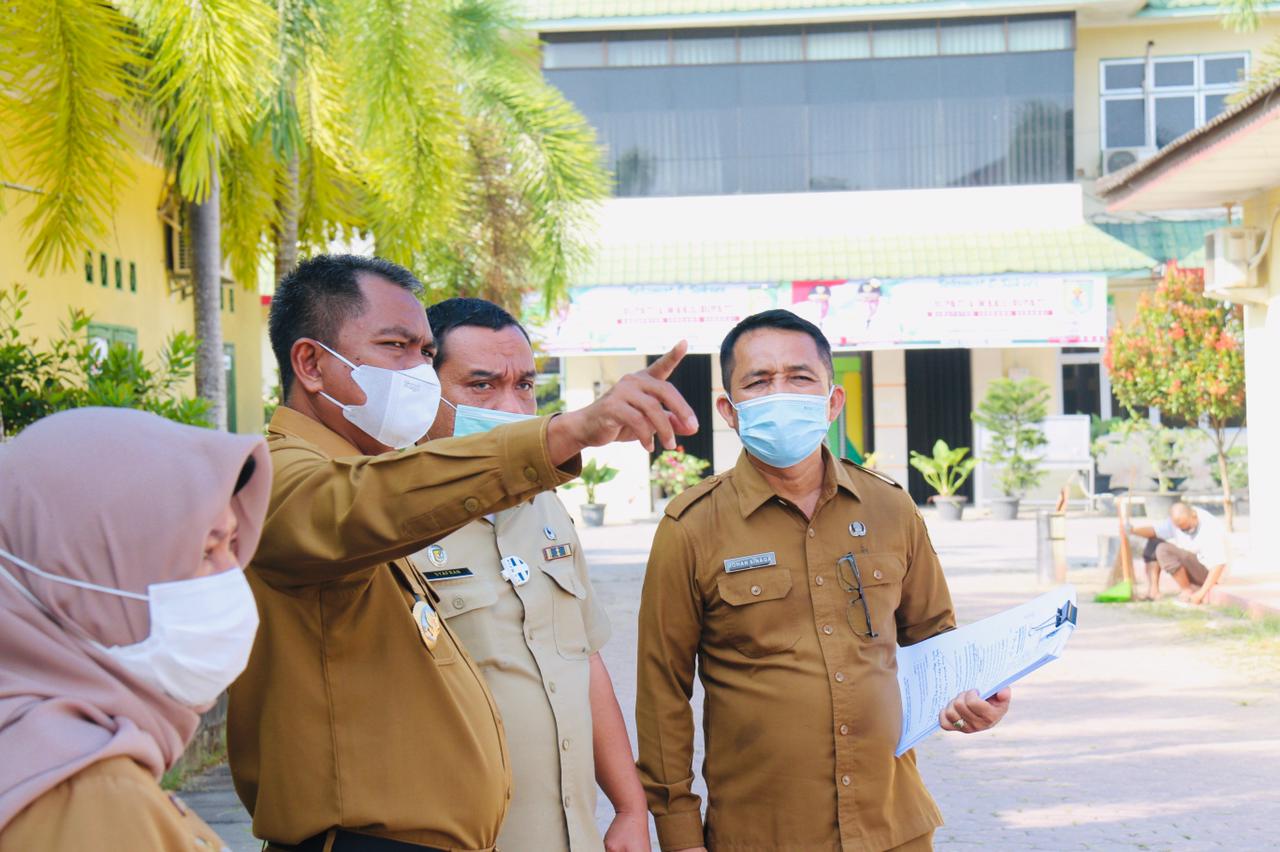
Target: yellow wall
135 234
1172 38
1262 351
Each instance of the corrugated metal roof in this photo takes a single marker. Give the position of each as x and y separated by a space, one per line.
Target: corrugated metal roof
1181 241
1081 248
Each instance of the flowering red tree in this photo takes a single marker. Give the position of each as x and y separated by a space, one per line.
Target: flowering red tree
1182 353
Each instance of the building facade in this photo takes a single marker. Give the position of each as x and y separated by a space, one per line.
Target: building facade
916 178
134 282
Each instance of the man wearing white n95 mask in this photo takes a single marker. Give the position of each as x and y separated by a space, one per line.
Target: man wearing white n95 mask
515 590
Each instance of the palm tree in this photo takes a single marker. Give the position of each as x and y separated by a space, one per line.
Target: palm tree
535 167
79 76
1243 16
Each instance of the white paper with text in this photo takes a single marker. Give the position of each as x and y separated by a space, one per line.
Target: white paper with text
987 655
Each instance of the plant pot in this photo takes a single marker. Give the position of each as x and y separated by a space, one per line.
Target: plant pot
593 514
1004 508
949 508
1158 503
1102 483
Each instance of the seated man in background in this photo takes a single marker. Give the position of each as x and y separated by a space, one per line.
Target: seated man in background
1191 545
515 590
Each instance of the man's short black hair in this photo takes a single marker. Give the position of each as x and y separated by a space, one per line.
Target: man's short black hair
319 296
782 320
445 316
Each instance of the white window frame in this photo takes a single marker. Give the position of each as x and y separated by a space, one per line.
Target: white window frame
1199 89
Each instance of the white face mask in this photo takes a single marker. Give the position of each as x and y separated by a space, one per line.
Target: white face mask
399 406
202 631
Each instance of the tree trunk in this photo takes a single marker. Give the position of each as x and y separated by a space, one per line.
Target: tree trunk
1228 509
287 232
206 250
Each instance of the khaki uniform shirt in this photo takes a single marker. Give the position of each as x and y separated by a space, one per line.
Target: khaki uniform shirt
532 642
347 716
802 713
111 806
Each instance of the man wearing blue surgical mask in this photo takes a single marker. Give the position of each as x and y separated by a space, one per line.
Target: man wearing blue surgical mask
514 588
787 584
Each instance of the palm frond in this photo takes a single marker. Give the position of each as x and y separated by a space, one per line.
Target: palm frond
403 100
1264 71
67 77
1241 15
210 70
557 164
251 173
330 202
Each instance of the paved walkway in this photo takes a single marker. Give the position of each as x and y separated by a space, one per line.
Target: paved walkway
1140 737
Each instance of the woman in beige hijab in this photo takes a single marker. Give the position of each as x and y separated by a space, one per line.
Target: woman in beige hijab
124 613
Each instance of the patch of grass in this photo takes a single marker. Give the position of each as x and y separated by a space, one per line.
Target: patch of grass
192 763
1258 637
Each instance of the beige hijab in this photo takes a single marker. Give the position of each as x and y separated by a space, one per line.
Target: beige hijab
117 498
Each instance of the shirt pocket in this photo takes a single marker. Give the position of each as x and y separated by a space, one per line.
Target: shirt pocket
568 604
759 619
882 576
459 597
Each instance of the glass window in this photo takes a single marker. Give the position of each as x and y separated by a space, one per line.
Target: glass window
88 266
1214 106
1033 34
632 49
573 51
771 44
838 42
1223 71
960 37
119 274
856 124
1125 123
1122 76
102 270
905 39
1180 73
133 277
704 47
1081 389
1174 117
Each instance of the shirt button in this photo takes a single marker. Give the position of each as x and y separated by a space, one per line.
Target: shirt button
551 686
531 473
878 574
564 744
818 581
844 730
458 602
471 505
826 628
846 780
811 532
839 677
568 800
529 635
755 590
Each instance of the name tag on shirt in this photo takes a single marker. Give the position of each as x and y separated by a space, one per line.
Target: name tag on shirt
448 574
557 551
746 563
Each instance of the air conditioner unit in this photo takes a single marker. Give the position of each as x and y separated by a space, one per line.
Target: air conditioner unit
1227 256
1115 159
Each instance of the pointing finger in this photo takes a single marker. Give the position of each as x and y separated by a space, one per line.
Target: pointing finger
666 365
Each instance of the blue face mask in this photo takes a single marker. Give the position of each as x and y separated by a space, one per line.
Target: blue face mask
470 420
783 429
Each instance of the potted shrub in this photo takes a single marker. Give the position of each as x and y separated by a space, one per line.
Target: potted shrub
945 471
1101 440
671 473
593 475
1012 413
1167 452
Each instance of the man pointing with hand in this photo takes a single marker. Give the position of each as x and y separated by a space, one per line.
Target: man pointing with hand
360 723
